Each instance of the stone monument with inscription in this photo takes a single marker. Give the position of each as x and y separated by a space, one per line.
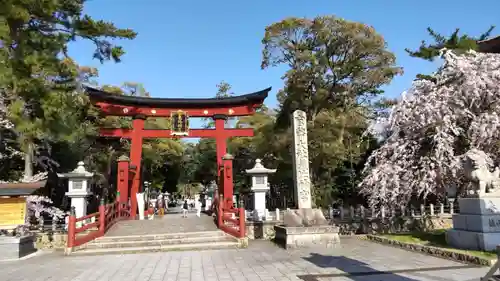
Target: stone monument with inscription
300 158
477 226
78 188
305 226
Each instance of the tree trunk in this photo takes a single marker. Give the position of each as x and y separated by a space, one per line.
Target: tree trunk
28 161
343 122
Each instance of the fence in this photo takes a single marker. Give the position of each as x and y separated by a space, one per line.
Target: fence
271 202
87 228
48 225
231 220
360 212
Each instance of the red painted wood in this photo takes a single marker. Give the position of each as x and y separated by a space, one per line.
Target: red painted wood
193 133
230 230
228 183
86 217
120 110
107 216
135 159
220 212
137 134
221 149
123 181
87 226
242 218
102 219
87 238
234 221
71 232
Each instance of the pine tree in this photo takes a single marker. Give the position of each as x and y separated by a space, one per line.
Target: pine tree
37 78
456 42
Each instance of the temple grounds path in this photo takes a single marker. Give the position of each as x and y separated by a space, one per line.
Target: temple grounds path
355 260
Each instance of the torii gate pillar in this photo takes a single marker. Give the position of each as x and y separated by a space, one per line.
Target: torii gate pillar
221 149
135 160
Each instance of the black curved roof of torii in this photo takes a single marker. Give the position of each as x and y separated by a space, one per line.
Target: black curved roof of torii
252 98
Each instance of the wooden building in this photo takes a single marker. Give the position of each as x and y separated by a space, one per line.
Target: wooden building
490 45
13 208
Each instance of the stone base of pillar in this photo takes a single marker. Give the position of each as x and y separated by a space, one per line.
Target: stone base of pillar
477 227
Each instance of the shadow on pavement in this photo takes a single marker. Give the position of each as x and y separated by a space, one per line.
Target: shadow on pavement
358 271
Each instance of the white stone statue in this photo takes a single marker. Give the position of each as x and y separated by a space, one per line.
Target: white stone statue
476 168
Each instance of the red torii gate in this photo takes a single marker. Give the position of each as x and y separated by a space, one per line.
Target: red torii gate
179 110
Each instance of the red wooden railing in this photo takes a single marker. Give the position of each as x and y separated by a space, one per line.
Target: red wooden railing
229 219
106 217
226 222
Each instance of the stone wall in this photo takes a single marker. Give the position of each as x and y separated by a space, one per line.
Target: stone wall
261 230
265 229
13 248
51 240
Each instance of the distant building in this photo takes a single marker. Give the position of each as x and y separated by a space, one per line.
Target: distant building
490 45
13 205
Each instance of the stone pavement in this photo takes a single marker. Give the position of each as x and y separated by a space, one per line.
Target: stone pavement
355 260
169 223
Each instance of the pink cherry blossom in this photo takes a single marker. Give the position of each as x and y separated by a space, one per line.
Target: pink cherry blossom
433 124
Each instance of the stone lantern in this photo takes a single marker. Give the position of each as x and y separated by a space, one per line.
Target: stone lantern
260 186
212 187
78 188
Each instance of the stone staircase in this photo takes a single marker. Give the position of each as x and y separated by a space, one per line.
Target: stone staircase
187 241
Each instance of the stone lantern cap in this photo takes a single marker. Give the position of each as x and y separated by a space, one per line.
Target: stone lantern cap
259 169
78 172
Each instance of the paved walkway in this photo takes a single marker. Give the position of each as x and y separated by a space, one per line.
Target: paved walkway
169 223
355 260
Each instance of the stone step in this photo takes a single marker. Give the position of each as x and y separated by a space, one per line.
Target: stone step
159 248
156 242
164 236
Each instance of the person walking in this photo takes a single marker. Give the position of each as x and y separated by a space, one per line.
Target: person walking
197 205
161 205
185 208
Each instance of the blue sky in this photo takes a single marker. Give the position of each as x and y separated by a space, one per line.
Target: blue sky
184 48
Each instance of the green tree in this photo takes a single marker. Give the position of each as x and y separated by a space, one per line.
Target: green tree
246 149
336 69
37 78
334 63
205 157
223 91
458 43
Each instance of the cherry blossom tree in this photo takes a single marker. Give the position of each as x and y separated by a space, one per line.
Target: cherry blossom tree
7 151
38 206
432 126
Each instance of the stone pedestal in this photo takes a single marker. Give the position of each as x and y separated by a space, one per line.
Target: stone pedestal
79 202
296 237
208 203
477 227
305 227
13 248
259 204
